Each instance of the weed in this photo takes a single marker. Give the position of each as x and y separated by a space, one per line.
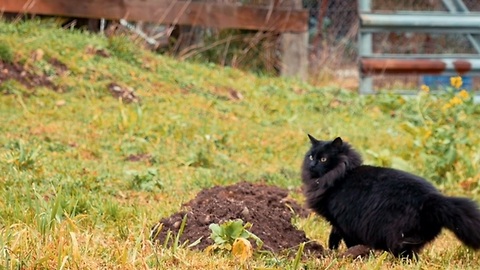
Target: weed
176 243
437 129
171 241
6 53
146 181
23 158
226 234
298 256
48 214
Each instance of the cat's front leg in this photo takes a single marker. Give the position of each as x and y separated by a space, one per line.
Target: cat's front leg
334 238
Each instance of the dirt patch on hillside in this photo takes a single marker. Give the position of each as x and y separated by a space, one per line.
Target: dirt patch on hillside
268 208
14 71
32 80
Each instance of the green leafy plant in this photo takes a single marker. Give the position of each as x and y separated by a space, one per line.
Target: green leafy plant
437 126
224 235
147 181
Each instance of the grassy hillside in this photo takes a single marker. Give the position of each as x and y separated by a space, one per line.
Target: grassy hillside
85 174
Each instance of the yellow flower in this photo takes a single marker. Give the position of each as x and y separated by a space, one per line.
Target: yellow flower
464 94
456 82
427 134
425 88
242 249
455 101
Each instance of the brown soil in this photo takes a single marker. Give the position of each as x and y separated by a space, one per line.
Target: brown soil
17 72
125 93
266 207
14 71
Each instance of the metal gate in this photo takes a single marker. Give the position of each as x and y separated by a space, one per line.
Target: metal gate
457 19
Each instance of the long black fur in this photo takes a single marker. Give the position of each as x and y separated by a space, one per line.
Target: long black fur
382 208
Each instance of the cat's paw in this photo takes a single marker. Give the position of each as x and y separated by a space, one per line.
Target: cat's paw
356 251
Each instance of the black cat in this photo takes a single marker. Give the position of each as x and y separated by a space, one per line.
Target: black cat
382 208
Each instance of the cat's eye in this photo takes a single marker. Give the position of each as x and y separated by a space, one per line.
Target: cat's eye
310 157
323 159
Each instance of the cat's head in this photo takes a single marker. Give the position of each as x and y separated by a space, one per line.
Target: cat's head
334 157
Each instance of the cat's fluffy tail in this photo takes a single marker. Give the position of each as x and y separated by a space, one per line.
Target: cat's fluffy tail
460 215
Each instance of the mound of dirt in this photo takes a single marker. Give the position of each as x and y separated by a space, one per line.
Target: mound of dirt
266 207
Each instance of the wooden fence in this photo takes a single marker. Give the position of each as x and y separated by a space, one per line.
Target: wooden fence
292 22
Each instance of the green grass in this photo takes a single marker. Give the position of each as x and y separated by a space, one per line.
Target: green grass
70 199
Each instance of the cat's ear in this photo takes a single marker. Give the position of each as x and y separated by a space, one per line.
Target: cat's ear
337 142
313 140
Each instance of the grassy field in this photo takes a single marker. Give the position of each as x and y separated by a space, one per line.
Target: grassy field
71 199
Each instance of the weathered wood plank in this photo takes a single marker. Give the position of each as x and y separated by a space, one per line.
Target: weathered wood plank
215 15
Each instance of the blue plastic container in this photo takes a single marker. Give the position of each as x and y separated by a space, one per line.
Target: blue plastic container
441 82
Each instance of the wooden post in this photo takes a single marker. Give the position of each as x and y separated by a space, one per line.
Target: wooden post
294 48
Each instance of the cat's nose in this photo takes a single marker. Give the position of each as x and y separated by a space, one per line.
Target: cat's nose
312 164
